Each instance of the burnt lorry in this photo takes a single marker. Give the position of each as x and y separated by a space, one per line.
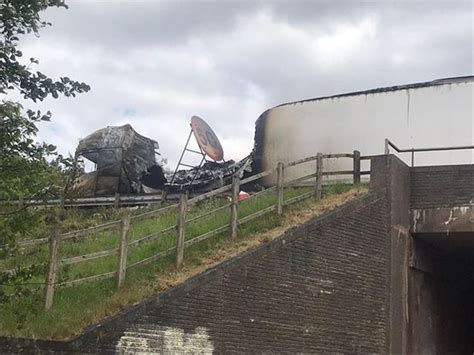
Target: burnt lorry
126 163
122 158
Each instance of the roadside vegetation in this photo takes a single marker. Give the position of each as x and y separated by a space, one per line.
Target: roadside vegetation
21 309
27 168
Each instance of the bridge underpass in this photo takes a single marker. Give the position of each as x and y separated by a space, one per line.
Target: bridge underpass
441 280
441 293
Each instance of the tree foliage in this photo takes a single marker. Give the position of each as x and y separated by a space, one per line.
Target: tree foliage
19 17
27 168
24 169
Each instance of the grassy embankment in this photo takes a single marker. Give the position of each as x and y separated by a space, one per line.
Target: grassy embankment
76 307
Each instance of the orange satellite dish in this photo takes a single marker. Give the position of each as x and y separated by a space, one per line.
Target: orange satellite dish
206 139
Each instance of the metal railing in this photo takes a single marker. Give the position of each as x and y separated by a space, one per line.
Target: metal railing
389 144
116 201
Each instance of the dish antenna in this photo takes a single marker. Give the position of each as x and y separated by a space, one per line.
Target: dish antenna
208 143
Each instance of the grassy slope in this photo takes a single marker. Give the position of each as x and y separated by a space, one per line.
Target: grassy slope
74 308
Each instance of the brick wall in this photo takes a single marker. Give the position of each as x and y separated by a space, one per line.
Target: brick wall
320 287
442 186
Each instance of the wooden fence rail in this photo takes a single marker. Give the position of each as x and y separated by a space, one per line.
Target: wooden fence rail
121 251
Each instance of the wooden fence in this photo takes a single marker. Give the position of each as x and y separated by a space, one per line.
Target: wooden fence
124 225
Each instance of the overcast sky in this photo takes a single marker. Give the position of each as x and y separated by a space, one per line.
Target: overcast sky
154 64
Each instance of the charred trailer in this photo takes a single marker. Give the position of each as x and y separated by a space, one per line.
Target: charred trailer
430 114
122 157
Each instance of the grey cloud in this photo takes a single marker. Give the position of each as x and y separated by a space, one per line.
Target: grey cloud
141 23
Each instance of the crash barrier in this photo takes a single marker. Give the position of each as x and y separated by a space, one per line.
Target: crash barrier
116 201
389 144
181 209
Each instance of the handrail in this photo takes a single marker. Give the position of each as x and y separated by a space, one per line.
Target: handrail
389 144
117 200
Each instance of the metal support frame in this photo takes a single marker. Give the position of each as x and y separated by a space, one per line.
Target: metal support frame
186 149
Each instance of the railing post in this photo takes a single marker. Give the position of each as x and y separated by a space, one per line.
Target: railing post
356 167
234 207
387 148
318 191
117 200
52 269
183 202
123 250
279 189
21 202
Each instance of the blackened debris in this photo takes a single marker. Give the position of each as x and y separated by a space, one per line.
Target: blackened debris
259 142
154 177
210 175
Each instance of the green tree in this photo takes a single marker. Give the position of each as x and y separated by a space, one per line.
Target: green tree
19 17
24 169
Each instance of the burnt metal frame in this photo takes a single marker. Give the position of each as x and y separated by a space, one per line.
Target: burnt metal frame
73 176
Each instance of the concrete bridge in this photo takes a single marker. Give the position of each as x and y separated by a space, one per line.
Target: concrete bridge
389 272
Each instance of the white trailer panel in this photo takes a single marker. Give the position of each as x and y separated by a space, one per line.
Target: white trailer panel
431 114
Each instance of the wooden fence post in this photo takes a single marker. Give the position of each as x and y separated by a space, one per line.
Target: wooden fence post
123 250
163 197
62 208
21 202
234 207
117 200
52 268
279 190
356 167
387 147
318 191
183 202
